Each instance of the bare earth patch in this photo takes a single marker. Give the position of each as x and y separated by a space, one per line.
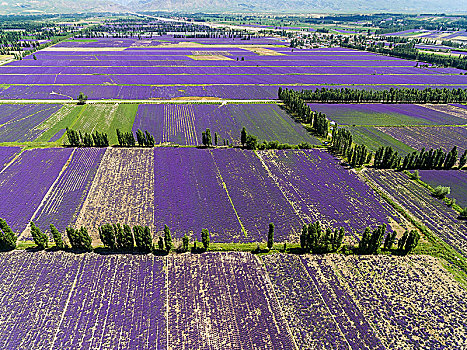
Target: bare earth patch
209 58
452 110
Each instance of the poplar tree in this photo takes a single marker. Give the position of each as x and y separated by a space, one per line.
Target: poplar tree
402 240
243 135
7 236
389 240
148 245
57 237
79 239
365 241
40 238
85 239
205 238
119 236
411 242
185 242
451 158
140 138
167 239
107 236
208 138
160 243
271 236
463 159
128 241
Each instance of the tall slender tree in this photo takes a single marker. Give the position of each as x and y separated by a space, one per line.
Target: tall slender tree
57 237
40 239
271 235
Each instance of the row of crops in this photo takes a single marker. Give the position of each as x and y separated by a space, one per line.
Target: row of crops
277 301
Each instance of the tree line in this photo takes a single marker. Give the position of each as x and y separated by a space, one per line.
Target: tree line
302 113
127 139
388 158
314 238
346 95
341 144
370 243
115 237
96 139
100 139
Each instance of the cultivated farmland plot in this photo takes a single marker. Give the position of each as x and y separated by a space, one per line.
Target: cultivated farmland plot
387 114
67 195
252 189
105 302
122 190
183 124
26 181
233 306
418 137
228 301
375 137
6 155
369 302
20 122
432 212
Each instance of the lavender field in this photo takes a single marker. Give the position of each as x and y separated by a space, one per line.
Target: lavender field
6 155
62 205
234 193
26 181
20 122
104 302
418 137
231 307
183 124
122 190
277 301
174 79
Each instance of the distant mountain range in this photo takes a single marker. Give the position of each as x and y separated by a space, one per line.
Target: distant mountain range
312 6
